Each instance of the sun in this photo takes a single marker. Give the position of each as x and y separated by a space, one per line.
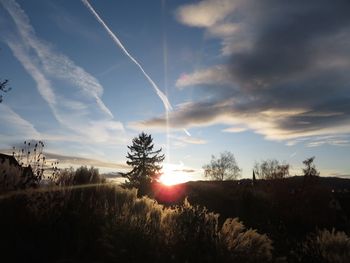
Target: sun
173 174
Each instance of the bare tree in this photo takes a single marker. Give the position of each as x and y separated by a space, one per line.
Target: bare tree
4 87
310 168
271 169
222 168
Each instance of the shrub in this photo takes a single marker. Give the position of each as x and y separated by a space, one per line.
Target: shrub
10 176
192 233
80 176
104 223
244 245
326 246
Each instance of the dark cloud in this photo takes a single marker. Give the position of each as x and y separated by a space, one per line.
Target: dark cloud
289 38
291 80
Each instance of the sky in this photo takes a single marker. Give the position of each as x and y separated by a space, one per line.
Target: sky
262 79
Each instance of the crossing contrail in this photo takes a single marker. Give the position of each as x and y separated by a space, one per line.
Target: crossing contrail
116 40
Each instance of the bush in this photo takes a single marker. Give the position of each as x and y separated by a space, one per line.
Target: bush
326 246
192 232
104 223
244 245
10 176
81 176
15 176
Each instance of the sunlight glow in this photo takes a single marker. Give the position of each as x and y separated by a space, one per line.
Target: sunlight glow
173 174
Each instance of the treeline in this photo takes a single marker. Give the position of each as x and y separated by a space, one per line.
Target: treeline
225 167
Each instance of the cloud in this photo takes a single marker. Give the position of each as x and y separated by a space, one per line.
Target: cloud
329 140
76 100
66 160
188 140
273 123
14 126
205 13
217 75
218 18
234 129
286 76
185 170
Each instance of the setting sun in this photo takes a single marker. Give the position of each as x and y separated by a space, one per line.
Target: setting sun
173 174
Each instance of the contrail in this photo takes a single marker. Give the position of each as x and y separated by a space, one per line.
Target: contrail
116 40
160 94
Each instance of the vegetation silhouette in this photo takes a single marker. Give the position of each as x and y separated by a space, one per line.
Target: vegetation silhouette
222 168
105 223
310 168
27 167
4 88
79 216
145 163
271 169
80 176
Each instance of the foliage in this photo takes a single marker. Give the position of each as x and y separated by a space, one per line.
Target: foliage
192 231
104 223
244 245
271 169
326 246
31 155
145 162
222 168
27 167
310 168
80 176
4 87
10 176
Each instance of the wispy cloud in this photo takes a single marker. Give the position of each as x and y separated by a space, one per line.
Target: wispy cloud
66 160
330 140
183 141
217 75
235 129
13 126
78 109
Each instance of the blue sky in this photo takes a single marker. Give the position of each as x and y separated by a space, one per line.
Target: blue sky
241 76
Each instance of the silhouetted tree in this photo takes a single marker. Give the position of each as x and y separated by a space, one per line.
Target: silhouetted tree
254 179
4 87
271 169
145 162
222 168
310 168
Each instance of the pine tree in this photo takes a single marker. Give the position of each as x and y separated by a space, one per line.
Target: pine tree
145 162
